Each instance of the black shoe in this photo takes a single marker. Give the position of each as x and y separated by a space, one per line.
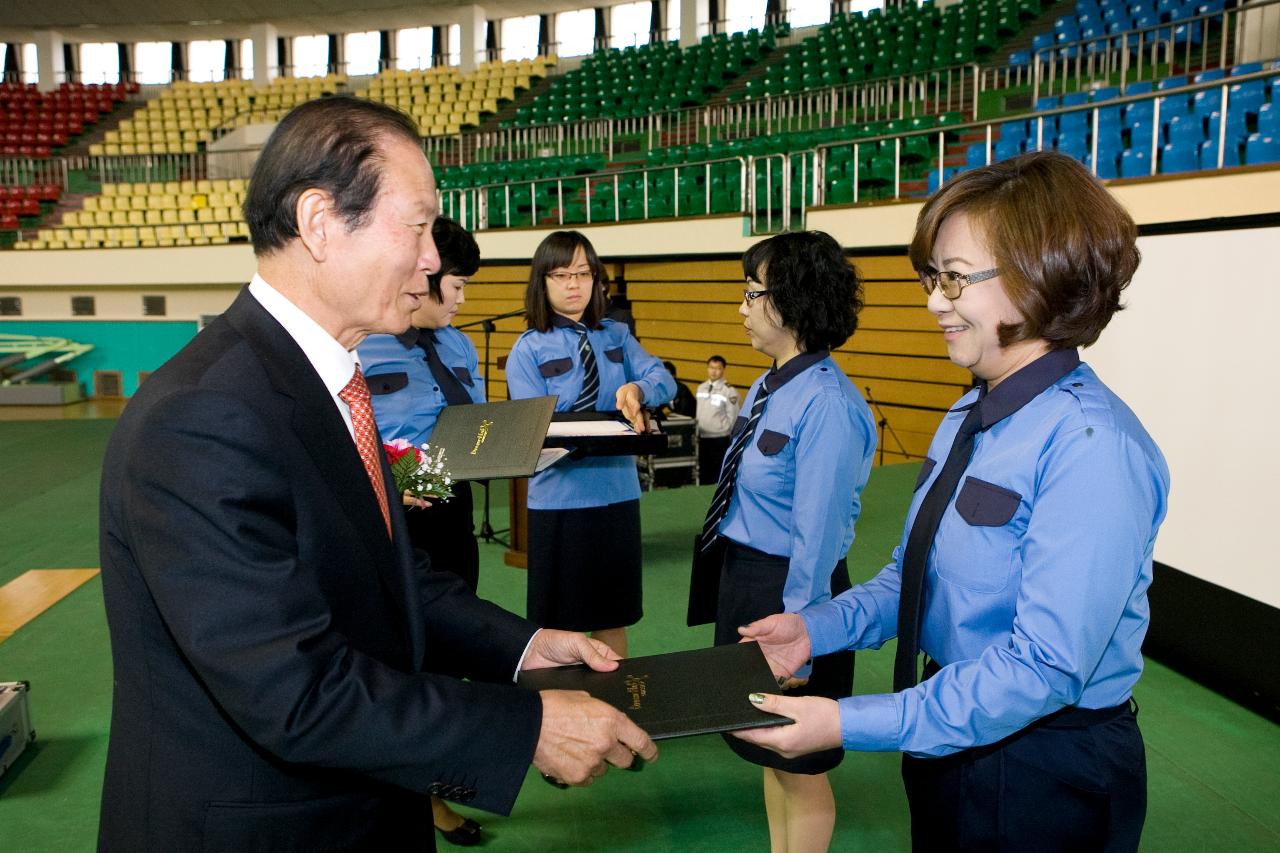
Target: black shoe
466 834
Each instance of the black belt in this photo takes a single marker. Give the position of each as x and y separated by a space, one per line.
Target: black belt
1070 717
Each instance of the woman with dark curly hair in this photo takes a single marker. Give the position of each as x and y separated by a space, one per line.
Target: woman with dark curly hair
789 493
1023 568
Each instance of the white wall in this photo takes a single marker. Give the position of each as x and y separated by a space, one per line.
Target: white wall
1192 355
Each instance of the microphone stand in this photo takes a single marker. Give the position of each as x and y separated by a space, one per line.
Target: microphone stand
884 426
487 325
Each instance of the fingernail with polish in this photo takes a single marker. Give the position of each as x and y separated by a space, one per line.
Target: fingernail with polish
756 698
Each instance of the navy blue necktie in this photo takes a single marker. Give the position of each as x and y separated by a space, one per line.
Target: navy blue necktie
920 542
450 385
586 401
729 472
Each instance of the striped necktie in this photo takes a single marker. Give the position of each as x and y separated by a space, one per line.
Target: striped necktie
586 401
729 472
356 396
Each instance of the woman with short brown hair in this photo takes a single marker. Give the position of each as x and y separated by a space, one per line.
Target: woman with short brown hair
1024 563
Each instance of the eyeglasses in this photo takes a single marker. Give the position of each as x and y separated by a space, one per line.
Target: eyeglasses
750 296
952 282
566 277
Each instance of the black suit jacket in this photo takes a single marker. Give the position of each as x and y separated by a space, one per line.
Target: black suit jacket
273 648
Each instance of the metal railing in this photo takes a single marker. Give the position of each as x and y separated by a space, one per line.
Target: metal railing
1136 55
25 171
474 208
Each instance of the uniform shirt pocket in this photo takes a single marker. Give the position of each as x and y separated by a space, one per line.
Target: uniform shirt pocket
386 383
926 468
555 367
464 376
984 504
771 443
615 355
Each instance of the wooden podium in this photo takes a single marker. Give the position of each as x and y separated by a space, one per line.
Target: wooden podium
517 504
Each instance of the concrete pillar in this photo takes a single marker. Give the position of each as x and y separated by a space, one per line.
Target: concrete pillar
49 61
266 56
695 16
472 20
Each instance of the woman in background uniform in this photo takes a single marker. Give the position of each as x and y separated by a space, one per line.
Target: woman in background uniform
584 514
789 494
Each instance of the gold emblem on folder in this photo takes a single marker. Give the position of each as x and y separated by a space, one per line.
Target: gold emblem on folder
481 435
636 687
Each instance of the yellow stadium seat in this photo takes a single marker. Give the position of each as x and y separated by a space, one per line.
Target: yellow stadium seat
119 217
137 217
169 217
154 217
102 217
80 234
91 203
186 214
70 219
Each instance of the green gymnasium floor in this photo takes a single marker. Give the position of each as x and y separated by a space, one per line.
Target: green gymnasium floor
1213 779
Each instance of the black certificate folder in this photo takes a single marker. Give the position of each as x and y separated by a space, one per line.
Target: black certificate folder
483 441
678 694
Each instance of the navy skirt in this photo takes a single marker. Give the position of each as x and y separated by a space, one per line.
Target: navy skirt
584 567
751 585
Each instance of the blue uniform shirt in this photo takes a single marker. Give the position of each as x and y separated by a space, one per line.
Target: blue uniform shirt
406 397
546 363
800 480
1036 585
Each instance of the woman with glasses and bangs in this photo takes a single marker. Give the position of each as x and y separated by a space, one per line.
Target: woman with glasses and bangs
789 493
584 514
1023 567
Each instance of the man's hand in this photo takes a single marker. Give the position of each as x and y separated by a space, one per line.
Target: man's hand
784 640
630 401
816 726
581 736
553 648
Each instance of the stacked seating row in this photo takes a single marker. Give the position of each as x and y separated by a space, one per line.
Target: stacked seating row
34 123
444 100
25 201
170 213
182 117
1186 135
636 81
902 40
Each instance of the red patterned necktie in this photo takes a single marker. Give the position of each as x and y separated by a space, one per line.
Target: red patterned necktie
356 396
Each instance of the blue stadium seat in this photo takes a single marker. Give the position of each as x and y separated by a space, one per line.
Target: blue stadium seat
1140 135
976 155
1269 119
1209 75
1134 163
1071 145
1020 59
1139 87
1172 82
1179 158
1237 127
1139 111
1075 99
1050 102
1107 163
1248 96
1207 101
1209 154
1246 68
1043 41
1109 136
1105 93
1261 149
1013 130
1006 148
1190 32
1210 7
1074 124
1186 132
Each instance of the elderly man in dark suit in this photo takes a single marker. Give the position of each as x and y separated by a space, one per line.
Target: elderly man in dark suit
274 639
